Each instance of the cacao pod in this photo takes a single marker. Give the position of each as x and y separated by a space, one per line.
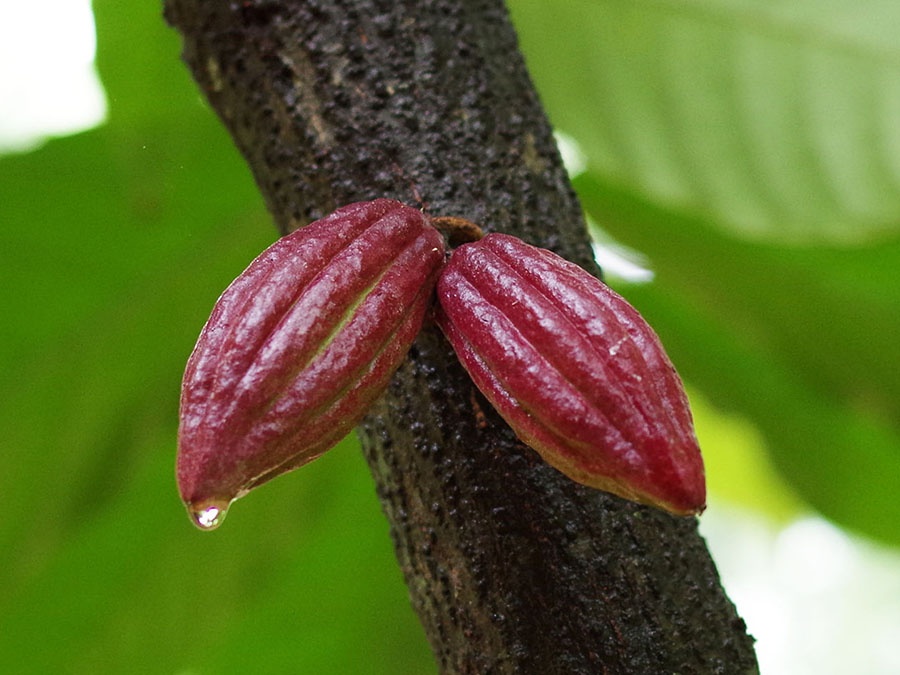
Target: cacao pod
574 370
299 346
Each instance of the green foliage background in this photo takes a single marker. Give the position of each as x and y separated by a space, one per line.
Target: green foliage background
750 149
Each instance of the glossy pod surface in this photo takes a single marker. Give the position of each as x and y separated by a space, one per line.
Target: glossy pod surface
574 370
299 346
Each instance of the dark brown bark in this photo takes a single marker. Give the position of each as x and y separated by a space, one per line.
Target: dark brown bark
511 567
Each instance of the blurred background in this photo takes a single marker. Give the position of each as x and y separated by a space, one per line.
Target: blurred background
740 163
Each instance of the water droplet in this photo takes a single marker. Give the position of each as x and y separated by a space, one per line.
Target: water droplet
208 514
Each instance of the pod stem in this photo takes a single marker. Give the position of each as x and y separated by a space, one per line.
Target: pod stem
458 231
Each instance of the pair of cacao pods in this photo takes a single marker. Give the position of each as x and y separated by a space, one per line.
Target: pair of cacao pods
308 336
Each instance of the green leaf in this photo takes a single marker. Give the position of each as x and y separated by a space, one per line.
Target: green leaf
138 59
775 121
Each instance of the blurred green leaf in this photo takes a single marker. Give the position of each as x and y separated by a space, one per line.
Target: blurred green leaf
777 120
138 59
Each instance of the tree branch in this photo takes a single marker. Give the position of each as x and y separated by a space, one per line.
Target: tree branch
511 566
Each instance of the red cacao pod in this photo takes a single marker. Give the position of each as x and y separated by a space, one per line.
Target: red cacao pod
299 346
574 370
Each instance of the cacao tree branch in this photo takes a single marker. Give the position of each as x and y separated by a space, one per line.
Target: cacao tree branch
510 566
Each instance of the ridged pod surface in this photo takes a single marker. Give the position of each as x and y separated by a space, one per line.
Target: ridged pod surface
574 370
299 346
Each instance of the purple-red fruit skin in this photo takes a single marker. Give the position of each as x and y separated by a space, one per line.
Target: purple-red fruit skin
574 370
301 344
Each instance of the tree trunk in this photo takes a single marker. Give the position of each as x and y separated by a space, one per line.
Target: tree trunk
511 566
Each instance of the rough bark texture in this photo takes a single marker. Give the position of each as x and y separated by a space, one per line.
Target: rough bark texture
511 567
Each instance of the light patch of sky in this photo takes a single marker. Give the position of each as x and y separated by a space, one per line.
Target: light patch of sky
48 84
818 600
619 261
573 156
615 259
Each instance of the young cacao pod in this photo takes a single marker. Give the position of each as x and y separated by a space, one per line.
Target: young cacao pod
574 370
299 346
